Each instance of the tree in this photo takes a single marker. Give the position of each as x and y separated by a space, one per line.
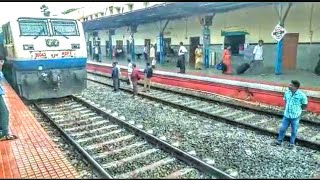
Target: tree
69 11
44 10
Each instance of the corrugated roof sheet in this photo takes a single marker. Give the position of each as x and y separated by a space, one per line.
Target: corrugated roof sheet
171 10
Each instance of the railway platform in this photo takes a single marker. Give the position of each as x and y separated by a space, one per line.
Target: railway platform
33 154
266 89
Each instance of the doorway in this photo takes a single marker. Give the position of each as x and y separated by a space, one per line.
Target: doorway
289 51
128 47
119 49
107 49
194 41
167 46
89 48
147 43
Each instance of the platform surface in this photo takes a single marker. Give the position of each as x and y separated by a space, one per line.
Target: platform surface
33 154
308 80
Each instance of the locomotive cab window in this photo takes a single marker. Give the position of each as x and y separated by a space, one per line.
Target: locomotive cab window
64 28
7 34
33 28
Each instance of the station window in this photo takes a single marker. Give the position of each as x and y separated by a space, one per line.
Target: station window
118 10
130 7
236 42
111 10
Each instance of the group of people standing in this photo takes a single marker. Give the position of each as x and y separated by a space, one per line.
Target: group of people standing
256 65
150 55
133 77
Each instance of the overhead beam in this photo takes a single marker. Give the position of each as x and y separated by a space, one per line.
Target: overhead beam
287 11
165 26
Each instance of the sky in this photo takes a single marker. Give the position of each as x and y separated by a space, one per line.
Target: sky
15 9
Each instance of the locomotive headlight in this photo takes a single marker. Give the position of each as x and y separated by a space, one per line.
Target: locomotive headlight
28 47
75 46
40 68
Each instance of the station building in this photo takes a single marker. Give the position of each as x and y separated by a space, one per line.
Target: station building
238 24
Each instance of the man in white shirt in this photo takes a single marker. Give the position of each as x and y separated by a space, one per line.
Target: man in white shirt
153 56
145 52
96 53
181 60
130 69
257 63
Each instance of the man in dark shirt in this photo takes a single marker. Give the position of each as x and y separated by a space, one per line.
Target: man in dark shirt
148 73
115 77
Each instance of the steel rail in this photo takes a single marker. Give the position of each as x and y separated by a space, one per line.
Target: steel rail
97 168
179 154
210 99
300 141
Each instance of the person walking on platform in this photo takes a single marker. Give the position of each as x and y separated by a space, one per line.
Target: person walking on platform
130 69
115 77
4 114
198 54
295 101
135 77
96 53
226 59
256 66
148 72
153 56
181 60
145 52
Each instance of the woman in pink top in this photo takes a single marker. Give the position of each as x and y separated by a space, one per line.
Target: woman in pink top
226 59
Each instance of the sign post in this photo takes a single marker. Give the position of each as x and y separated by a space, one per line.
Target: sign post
278 33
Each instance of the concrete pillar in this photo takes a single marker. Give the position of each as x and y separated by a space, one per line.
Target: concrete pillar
133 29
282 18
278 64
132 49
206 22
206 46
161 41
111 32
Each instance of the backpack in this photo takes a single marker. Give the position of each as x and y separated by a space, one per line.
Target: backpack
221 66
149 72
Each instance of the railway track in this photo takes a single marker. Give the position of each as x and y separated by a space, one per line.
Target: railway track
262 121
118 149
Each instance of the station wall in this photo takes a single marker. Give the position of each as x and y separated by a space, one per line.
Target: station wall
258 22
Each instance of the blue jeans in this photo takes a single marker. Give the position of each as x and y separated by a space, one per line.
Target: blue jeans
284 126
4 117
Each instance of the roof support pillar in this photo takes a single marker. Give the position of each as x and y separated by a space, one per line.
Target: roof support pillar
282 17
133 29
110 33
160 41
206 22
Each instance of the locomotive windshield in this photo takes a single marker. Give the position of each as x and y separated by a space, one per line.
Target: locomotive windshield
33 28
64 28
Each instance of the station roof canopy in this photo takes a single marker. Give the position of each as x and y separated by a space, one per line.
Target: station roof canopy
166 11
